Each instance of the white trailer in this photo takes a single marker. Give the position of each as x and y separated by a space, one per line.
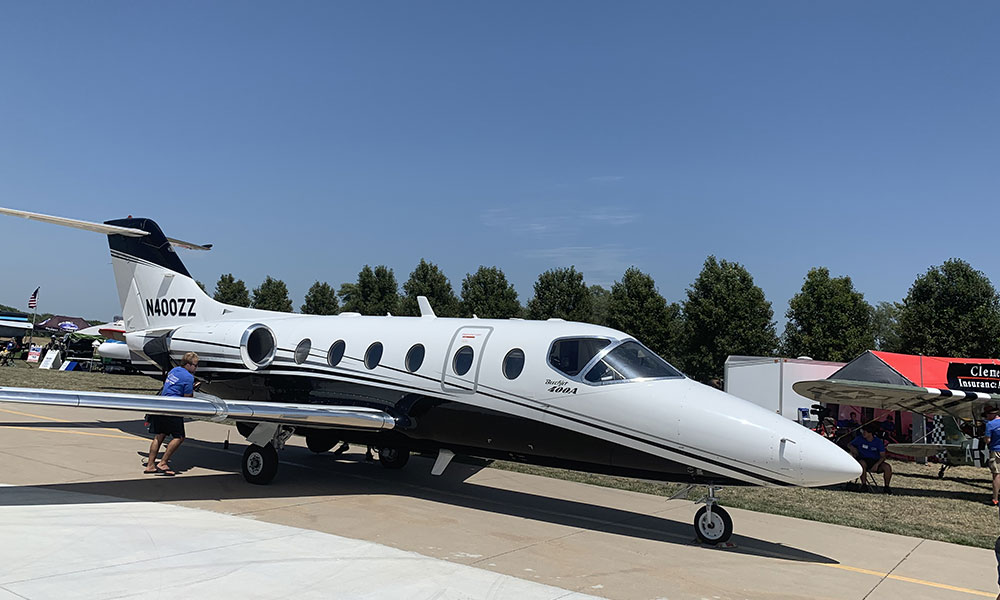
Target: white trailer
768 382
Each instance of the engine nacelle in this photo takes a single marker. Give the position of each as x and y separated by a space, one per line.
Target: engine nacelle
252 344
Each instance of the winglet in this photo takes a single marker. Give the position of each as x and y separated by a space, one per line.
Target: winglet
425 307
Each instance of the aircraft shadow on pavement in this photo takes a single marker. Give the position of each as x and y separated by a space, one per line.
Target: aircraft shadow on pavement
304 474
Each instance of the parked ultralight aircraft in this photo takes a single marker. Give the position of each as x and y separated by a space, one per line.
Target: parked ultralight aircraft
953 406
555 393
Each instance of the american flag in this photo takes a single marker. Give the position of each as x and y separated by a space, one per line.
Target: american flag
33 300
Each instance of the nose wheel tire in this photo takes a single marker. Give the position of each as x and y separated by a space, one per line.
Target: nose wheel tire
393 458
714 527
260 464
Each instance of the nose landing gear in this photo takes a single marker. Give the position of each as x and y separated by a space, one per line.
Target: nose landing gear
712 523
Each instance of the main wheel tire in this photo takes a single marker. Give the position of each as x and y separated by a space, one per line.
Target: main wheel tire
320 443
393 458
715 527
260 464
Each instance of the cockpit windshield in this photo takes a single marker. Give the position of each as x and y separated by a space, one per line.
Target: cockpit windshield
628 361
571 355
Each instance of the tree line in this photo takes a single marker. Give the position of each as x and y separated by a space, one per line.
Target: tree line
951 310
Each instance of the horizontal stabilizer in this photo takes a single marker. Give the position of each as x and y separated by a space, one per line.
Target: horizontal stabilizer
209 408
75 223
97 227
922 450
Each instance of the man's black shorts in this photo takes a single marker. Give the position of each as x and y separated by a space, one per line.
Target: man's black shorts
869 462
169 425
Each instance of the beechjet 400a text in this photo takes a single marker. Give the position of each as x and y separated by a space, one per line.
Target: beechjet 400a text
554 393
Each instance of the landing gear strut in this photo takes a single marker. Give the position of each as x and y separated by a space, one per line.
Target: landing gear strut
712 523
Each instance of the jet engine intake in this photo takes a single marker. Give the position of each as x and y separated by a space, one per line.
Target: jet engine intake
253 345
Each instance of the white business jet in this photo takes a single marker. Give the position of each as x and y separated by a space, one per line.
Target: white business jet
555 393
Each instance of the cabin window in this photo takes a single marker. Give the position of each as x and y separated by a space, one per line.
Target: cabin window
463 360
513 363
570 356
373 355
414 358
336 353
302 351
630 360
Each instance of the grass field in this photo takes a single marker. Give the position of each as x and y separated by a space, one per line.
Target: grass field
952 509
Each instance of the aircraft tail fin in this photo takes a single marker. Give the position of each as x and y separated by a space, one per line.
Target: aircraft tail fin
155 288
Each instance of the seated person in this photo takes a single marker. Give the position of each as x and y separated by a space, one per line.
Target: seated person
888 432
850 423
870 452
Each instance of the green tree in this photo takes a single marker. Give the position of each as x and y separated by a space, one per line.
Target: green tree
232 291
320 300
562 294
724 314
487 295
201 285
637 308
599 298
428 280
885 326
828 319
951 310
272 295
346 291
375 293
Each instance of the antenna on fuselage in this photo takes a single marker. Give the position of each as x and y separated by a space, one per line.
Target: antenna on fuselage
425 307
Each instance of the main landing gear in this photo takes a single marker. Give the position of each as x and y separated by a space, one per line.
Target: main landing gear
260 459
712 523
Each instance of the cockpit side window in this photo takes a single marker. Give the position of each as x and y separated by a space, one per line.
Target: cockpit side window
630 360
570 356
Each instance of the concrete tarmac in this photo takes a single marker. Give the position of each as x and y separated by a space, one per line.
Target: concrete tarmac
581 538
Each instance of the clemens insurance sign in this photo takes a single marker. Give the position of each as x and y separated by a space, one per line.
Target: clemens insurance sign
974 377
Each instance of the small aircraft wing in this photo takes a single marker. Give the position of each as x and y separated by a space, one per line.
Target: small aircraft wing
209 408
926 401
922 450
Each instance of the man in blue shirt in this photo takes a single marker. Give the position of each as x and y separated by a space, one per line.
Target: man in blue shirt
870 452
179 383
992 439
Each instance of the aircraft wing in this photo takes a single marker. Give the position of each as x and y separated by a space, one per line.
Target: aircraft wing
922 450
209 408
926 401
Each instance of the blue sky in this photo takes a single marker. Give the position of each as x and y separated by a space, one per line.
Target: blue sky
306 139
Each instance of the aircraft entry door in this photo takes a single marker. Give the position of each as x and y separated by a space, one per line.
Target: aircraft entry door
460 372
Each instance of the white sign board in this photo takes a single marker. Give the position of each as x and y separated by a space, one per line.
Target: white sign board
50 360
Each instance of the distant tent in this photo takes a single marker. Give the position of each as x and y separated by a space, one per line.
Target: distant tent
61 324
13 324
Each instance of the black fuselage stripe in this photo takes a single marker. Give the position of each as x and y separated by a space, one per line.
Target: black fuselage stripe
292 368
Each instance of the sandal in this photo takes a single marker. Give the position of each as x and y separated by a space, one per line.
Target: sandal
165 472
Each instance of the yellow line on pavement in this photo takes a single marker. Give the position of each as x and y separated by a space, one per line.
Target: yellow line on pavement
942 586
24 414
108 435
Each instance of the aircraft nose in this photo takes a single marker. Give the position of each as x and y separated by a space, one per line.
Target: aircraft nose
825 463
